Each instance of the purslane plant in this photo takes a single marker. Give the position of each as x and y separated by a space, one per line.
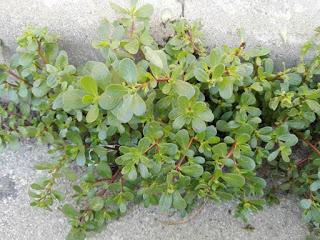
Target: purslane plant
166 125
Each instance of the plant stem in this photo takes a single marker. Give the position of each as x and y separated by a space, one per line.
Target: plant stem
184 155
313 147
302 162
241 47
229 155
163 79
17 77
192 216
149 148
114 177
230 152
41 55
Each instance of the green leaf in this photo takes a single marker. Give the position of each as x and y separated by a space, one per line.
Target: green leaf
143 170
247 163
198 125
178 202
132 175
182 138
274 102
124 112
245 69
98 71
206 116
81 159
165 201
144 144
44 166
72 99
62 60
146 38
201 75
268 65
116 90
70 175
184 88
218 71
233 179
154 57
41 90
294 78
314 106
118 8
220 150
58 195
215 57
51 69
76 234
258 52
132 46
305 203
93 113
128 70
74 137
138 105
104 170
108 102
89 85
194 170
70 211
26 59
225 87
87 99
170 149
145 11
179 122
96 203
272 156
243 138
315 186
153 130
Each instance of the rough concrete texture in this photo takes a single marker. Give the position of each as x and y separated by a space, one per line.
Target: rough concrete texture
19 221
281 25
75 21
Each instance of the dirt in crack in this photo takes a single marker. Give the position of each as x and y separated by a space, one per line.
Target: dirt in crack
7 188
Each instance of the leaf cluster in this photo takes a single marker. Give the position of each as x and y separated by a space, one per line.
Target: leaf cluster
162 125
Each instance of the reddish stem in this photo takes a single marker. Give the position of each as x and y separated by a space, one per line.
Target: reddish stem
230 152
17 77
241 47
303 161
149 148
114 177
41 55
313 147
163 79
229 155
178 165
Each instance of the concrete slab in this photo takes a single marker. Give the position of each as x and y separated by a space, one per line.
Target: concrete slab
75 21
281 25
19 221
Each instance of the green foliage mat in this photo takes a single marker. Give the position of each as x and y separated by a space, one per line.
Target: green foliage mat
165 125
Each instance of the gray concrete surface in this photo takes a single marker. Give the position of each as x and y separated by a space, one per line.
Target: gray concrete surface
75 21
19 221
281 25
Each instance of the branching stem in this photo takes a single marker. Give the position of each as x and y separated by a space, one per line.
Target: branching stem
17 77
184 155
